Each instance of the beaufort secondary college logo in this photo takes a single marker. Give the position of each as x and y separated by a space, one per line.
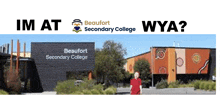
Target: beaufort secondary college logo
76 23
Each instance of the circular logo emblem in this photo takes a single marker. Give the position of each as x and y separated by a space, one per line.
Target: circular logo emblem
160 54
162 70
179 62
196 58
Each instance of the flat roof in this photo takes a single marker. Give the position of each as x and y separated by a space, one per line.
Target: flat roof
23 52
4 54
61 42
182 47
22 59
138 55
14 57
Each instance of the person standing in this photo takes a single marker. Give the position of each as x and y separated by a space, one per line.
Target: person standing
135 85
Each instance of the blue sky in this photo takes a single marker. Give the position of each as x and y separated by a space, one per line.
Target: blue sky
135 43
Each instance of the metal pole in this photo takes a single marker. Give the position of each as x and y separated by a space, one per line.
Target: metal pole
24 48
25 63
18 55
152 66
11 61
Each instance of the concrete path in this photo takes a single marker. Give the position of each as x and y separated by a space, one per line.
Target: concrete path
167 91
43 93
147 91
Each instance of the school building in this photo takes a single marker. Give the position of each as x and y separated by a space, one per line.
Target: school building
47 64
177 63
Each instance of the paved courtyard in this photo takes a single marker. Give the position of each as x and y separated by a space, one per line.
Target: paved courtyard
147 91
167 91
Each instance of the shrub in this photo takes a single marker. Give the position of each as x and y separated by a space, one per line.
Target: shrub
201 86
113 88
77 93
211 86
214 88
206 85
174 84
13 82
190 85
28 87
87 84
109 91
162 84
99 87
197 84
66 87
186 85
103 92
86 87
95 92
87 92
2 92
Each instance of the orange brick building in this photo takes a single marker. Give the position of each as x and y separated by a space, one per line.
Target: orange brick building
174 61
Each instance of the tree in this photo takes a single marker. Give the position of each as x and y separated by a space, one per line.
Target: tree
109 62
214 72
143 66
100 65
12 79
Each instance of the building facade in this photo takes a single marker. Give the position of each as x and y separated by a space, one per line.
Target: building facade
55 60
177 62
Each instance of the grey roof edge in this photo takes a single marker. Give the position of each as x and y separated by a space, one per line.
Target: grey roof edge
181 47
62 42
